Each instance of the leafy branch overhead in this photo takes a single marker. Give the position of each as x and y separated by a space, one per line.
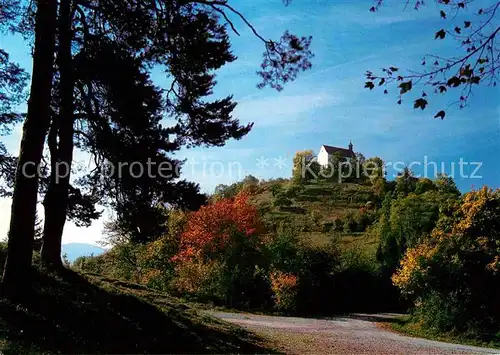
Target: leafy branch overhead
476 63
283 60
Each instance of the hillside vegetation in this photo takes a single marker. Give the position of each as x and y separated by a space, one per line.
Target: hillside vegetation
296 246
322 211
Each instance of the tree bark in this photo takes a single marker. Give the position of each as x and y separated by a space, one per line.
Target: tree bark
56 199
23 211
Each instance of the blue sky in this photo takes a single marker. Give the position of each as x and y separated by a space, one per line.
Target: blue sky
328 104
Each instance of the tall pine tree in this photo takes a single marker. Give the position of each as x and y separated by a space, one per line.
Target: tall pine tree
24 199
103 102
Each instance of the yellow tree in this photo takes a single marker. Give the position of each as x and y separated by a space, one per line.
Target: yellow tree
454 275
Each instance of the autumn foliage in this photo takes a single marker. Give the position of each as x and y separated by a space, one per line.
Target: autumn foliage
220 257
284 287
476 229
441 248
453 275
209 230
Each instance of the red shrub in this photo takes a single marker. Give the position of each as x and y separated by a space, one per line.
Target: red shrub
209 229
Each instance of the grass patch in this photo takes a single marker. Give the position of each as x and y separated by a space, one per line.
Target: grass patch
407 325
316 238
367 243
70 313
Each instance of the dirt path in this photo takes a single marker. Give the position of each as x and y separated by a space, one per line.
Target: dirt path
357 334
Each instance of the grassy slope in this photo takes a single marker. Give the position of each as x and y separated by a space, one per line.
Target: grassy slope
327 201
72 313
405 325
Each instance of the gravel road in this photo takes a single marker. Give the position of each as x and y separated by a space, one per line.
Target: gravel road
356 334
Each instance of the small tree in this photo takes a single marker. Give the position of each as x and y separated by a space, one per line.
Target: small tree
446 184
208 230
373 168
276 189
424 185
405 182
250 184
305 166
219 251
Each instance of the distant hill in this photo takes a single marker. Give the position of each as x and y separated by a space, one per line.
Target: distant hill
75 250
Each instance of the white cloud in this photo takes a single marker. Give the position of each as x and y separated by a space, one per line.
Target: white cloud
276 110
354 13
274 20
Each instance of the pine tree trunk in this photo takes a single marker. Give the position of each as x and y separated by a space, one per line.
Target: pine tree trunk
56 199
21 233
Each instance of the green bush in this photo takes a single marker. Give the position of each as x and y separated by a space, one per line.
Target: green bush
364 219
440 313
264 208
281 200
91 264
282 249
237 278
276 188
313 266
300 223
318 265
328 227
284 287
338 225
356 222
350 223
294 190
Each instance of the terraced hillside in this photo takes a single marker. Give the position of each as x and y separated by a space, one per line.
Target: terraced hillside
321 210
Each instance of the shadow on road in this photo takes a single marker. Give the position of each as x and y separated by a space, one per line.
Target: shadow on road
377 317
